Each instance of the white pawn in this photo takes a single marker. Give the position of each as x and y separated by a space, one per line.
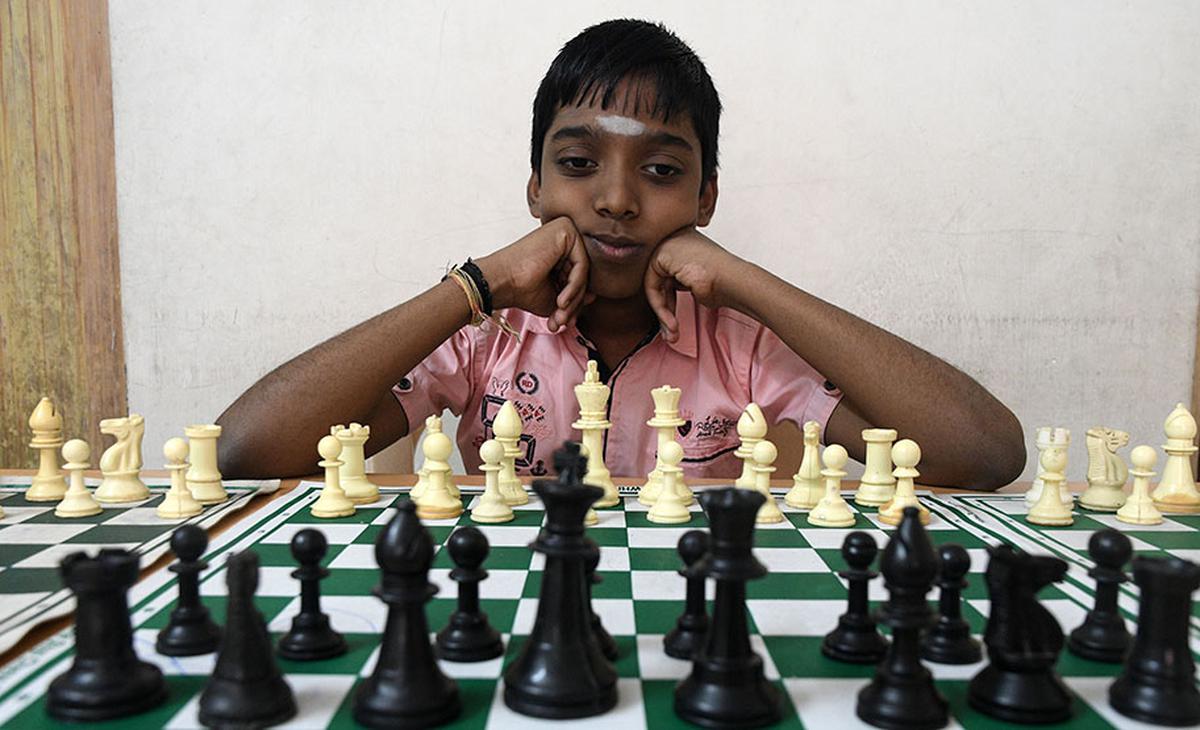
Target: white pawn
433 424
751 428
906 454
1050 509
437 503
178 503
332 502
807 487
832 510
669 508
507 429
1049 437
491 507
1139 509
78 501
1176 491
764 456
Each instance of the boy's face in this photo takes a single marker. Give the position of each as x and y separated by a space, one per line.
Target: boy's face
626 180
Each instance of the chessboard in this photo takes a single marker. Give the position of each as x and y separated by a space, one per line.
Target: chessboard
639 599
33 541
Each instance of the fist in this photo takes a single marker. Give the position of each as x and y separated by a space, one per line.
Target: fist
690 261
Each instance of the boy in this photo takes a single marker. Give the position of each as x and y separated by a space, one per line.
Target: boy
624 172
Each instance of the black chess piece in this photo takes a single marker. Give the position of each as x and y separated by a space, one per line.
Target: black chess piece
191 630
1019 683
246 688
1158 684
311 637
561 672
1102 636
726 687
407 689
607 644
949 640
856 639
902 694
468 637
692 625
106 680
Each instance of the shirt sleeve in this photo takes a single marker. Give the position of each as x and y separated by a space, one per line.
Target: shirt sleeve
786 387
444 380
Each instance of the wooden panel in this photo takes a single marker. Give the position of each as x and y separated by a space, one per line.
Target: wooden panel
60 304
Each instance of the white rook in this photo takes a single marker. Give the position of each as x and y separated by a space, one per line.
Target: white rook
203 477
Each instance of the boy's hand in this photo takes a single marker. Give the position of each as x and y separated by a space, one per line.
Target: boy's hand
545 272
693 262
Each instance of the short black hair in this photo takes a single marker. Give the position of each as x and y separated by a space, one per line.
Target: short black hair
598 59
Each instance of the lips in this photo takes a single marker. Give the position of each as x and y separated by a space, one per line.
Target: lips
614 248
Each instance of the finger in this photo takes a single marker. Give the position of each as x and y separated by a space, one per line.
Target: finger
663 305
577 275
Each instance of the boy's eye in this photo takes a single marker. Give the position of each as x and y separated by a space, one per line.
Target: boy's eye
659 169
575 163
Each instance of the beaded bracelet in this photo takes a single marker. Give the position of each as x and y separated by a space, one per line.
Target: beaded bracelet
470 279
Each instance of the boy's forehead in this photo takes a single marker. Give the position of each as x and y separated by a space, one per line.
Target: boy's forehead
621 119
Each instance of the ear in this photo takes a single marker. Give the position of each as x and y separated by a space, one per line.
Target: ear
708 201
533 195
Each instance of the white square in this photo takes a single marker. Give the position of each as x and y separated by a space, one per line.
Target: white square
609 518
318 697
525 617
784 524
828 703
500 536
272 581
795 617
490 669
499 583
616 614
935 522
667 537
791 560
662 585
613 558
136 516
760 647
1168 525
833 537
347 614
627 715
653 662
355 557
26 534
13 515
533 504
200 665
53 555
384 517
335 534
1078 539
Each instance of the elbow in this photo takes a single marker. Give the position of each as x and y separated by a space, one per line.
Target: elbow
1000 454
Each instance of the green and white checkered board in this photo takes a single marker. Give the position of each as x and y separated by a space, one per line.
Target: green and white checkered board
33 541
639 600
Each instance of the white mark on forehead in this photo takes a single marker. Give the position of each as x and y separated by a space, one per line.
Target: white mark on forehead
614 124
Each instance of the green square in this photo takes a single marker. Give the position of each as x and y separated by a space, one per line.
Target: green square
779 538
475 695
627 656
361 515
1192 521
1082 522
861 522
1070 665
796 586
116 534
280 555
502 612
654 559
800 656
614 584
961 538
12 554
609 536
656 617
30 580
499 558
1083 716
268 606
833 558
180 689
658 702
48 517
641 519
1169 540
521 518
350 582
369 535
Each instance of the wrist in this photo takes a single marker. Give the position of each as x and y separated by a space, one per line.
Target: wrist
496 275
736 286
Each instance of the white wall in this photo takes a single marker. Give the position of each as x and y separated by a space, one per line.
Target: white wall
1013 186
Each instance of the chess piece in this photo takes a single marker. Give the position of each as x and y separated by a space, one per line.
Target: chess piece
1102 636
246 688
902 694
592 396
507 429
877 484
856 639
1106 472
807 485
1139 508
764 456
1023 640
1050 509
666 419
407 689
433 424
121 463
359 489
78 501
332 501
310 637
608 645
106 679
1158 684
203 477
751 428
669 508
949 640
590 518
726 687
692 625
491 507
47 424
906 455
1049 437
191 630
468 637
561 672
437 503
832 510
1176 490
178 503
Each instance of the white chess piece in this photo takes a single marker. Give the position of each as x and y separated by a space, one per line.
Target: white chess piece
1176 490
807 487
1049 437
203 477
1106 473
78 501
1139 509
433 424
1050 509
832 510
877 485
359 489
491 507
592 396
751 428
121 463
666 419
437 503
507 429
764 456
669 508
47 424
332 501
178 503
906 454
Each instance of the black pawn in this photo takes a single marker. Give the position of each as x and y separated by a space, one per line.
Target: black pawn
607 644
1158 685
468 637
106 680
856 638
1102 636
246 688
191 630
311 637
902 694
949 640
692 624
407 689
726 687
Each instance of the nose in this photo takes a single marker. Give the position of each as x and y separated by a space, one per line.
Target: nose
616 196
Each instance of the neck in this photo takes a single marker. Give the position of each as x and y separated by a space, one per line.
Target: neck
615 318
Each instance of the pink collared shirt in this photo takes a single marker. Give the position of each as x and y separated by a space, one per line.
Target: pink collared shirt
721 361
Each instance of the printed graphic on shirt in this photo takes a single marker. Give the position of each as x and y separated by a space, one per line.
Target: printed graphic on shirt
534 423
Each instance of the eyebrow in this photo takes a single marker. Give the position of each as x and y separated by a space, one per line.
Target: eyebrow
587 131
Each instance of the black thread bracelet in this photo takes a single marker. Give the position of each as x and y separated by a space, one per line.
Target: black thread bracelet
471 269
